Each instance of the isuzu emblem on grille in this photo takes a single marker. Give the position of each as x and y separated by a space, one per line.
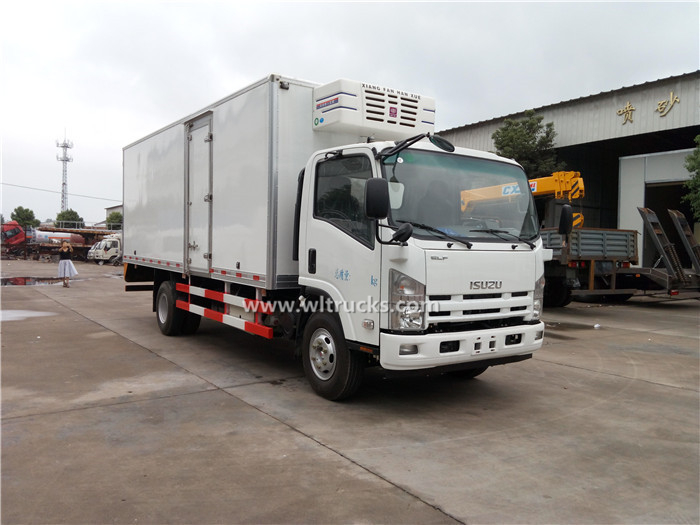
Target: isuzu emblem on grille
485 285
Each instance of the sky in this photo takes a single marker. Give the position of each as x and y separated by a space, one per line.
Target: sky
104 73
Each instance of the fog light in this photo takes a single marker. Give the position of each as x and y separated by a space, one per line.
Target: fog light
539 335
408 349
449 346
514 339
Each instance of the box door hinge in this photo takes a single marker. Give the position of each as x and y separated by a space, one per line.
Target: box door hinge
209 137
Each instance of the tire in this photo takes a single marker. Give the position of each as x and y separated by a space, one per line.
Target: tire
469 373
556 293
170 318
191 323
333 371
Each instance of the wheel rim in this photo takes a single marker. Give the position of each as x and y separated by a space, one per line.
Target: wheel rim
162 309
322 354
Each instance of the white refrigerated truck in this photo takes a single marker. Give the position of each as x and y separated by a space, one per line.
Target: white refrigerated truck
330 215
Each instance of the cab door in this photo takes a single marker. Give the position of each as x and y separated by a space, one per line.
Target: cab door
338 253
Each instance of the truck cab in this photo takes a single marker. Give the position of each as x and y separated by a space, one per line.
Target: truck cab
450 291
13 236
108 250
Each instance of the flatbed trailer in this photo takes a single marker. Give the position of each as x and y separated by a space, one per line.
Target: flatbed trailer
603 263
49 246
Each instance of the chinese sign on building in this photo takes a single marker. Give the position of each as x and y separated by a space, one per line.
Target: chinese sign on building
662 107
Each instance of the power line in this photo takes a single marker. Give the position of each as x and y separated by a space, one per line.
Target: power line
54 191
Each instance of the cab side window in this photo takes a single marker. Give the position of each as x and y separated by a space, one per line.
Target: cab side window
340 194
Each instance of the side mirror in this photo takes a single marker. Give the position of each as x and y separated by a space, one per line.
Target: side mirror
376 198
566 220
441 143
403 233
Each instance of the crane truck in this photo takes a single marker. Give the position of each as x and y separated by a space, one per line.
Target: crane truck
329 215
600 263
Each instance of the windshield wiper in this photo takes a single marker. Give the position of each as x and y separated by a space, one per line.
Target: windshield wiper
433 229
441 143
498 234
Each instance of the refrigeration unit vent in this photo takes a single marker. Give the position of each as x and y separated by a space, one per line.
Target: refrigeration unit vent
348 106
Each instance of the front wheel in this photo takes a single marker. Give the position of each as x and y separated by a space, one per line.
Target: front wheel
333 371
556 293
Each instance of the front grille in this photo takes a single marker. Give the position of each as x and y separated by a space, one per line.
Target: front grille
471 308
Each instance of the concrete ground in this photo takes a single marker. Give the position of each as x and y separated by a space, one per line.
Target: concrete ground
104 420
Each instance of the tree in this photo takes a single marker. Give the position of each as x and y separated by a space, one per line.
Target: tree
114 221
530 143
692 164
24 217
70 218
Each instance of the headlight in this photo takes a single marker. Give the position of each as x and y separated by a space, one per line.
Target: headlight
407 302
538 298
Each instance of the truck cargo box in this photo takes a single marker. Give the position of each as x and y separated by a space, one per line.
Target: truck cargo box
213 194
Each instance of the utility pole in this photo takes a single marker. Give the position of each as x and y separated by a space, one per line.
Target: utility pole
65 159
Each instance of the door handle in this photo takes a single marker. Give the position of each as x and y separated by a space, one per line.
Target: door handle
312 260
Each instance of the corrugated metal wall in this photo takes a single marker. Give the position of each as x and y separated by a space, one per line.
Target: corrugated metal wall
660 105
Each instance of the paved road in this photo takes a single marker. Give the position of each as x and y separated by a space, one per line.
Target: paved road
104 420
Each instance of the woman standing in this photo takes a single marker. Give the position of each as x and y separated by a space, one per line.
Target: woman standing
66 270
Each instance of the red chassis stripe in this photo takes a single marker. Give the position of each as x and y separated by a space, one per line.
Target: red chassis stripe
216 316
216 296
258 329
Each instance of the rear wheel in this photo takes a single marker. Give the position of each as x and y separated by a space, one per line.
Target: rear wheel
170 318
333 371
191 324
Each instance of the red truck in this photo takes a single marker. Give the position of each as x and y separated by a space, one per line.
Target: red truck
13 237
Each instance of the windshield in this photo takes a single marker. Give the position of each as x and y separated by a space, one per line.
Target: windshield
464 197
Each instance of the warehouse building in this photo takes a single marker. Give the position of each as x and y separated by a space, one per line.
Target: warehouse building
630 146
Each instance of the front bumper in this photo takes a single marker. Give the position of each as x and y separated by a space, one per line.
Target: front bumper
433 350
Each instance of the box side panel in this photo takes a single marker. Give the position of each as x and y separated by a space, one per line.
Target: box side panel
240 169
154 185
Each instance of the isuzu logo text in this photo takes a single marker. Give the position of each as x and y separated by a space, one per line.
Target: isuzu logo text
485 285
